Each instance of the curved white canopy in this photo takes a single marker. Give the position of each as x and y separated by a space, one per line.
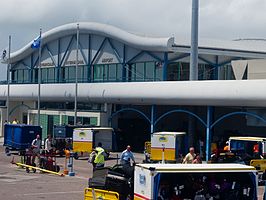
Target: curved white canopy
139 42
202 93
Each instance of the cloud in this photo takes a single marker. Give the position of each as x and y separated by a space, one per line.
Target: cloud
220 19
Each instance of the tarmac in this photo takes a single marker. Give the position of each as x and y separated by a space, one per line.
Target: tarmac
17 184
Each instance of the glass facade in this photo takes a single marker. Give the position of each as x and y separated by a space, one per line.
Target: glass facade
135 72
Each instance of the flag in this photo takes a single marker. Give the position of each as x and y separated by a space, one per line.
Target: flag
36 43
4 55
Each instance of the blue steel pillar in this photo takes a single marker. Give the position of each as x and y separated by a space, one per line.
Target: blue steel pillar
216 73
209 132
165 63
153 115
124 70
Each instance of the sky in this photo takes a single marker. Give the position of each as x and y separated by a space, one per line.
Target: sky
218 19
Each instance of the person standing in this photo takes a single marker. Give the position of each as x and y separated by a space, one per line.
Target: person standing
226 147
36 148
126 156
100 156
48 144
190 156
15 121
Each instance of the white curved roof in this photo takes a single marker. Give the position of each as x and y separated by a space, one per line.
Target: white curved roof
248 45
203 93
139 42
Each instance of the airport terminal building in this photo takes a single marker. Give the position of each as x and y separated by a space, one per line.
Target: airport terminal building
139 84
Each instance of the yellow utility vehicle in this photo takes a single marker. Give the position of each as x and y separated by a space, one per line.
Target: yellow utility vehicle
252 150
165 147
85 139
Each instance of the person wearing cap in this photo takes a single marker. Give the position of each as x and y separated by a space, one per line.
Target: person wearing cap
126 156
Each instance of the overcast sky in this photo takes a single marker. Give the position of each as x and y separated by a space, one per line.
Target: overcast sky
219 19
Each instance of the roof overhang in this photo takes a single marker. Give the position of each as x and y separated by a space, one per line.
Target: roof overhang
136 41
197 93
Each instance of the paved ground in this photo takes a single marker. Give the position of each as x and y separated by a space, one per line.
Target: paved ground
16 184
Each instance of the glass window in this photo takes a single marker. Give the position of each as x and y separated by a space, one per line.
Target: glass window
149 71
51 75
71 74
112 72
205 72
140 72
158 71
98 73
119 74
44 75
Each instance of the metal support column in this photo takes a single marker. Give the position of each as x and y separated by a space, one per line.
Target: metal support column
209 132
39 80
124 70
153 116
8 79
193 68
76 78
165 63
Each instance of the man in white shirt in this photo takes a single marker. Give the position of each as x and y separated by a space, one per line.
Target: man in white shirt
48 144
190 156
36 147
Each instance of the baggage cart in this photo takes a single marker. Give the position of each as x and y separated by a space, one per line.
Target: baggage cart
18 137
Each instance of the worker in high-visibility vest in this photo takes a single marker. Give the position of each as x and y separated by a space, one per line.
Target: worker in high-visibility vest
100 156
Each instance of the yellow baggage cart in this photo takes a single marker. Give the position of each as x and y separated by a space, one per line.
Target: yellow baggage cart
97 194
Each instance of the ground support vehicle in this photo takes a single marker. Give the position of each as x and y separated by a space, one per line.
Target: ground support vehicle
166 147
18 137
92 194
183 181
251 149
118 178
85 139
62 136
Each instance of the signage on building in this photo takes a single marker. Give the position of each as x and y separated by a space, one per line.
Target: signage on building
107 60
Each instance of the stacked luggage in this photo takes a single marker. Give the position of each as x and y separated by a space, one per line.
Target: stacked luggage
118 179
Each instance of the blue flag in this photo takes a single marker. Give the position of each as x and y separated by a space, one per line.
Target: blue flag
36 43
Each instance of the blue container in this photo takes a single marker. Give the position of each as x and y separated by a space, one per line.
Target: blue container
20 136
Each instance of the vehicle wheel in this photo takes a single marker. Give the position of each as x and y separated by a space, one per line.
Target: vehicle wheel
7 150
76 156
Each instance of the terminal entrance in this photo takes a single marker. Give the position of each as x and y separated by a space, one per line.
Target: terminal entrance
134 132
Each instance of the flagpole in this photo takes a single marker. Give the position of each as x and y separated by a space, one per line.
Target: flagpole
8 79
76 77
39 78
